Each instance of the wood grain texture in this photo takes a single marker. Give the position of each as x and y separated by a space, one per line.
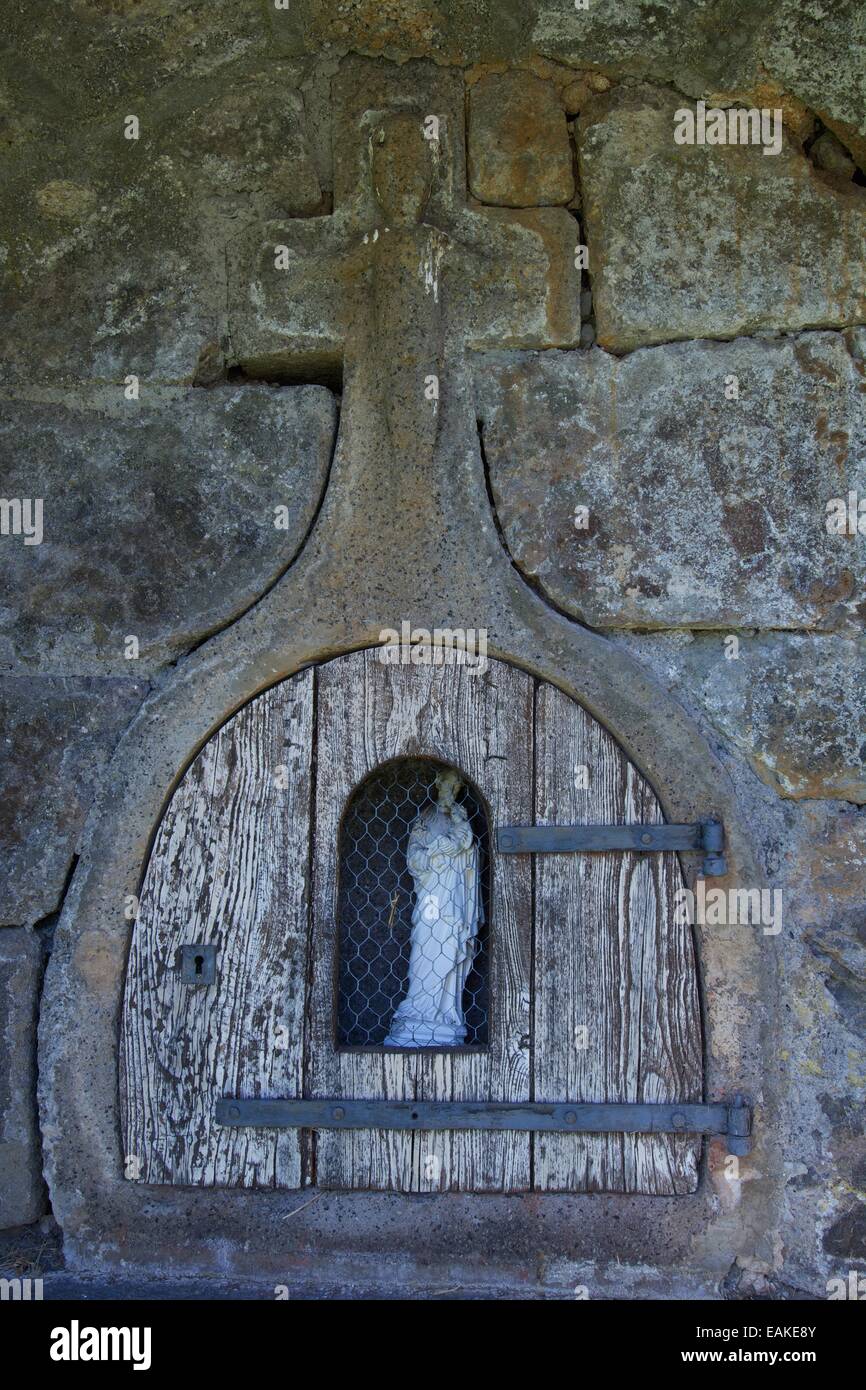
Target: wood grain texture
369 713
229 866
611 959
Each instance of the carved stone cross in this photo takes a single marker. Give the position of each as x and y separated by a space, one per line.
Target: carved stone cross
392 288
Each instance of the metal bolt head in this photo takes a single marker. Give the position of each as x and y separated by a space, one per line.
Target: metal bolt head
678 1120
570 1117
234 1112
646 839
506 841
338 1112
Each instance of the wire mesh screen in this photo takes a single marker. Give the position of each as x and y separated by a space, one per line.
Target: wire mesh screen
413 911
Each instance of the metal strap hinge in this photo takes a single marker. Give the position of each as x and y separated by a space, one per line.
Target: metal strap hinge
706 836
732 1120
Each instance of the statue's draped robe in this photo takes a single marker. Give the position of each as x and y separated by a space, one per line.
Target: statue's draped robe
443 860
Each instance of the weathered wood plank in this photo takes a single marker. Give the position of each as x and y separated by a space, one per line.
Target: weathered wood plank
369 713
611 960
229 866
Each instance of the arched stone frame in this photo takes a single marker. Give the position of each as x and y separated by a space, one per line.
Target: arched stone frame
247 863
103 1215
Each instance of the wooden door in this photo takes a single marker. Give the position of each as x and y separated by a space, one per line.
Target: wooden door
592 982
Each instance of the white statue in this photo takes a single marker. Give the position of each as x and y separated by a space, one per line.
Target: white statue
443 861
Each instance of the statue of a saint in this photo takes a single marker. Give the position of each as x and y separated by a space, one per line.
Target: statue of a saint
443 860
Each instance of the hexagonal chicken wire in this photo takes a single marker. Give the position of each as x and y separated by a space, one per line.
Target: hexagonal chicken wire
376 897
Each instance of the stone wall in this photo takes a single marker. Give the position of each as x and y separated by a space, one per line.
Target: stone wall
665 481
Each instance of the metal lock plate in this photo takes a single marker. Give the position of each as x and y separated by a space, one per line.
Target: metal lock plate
198 964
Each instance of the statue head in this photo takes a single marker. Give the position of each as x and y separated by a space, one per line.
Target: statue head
402 165
448 784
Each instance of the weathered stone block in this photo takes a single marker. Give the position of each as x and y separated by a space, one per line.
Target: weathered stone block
846 1238
702 510
709 46
818 52
247 145
58 734
826 877
457 33
103 274
793 705
115 249
160 516
22 1190
540 301
519 150
830 155
98 59
825 891
841 958
813 54
691 241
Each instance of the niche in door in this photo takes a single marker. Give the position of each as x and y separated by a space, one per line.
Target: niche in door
412 909
282 951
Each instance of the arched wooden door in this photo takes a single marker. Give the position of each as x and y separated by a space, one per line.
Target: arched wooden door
591 980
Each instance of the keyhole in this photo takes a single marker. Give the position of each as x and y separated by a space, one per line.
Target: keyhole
199 962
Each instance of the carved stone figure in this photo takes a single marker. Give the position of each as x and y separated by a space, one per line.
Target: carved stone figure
443 861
